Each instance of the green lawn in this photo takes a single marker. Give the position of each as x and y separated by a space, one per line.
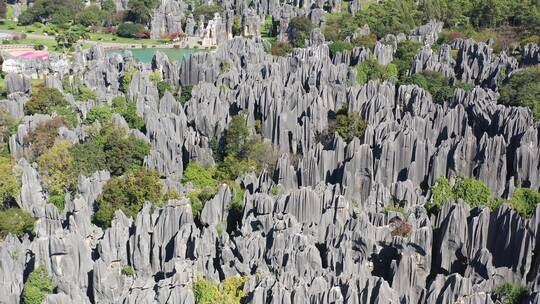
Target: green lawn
50 43
105 37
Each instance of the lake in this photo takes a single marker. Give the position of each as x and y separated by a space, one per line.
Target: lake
145 55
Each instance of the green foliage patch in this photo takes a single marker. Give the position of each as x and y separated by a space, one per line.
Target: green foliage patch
473 192
511 294
523 89
230 291
37 286
16 221
128 193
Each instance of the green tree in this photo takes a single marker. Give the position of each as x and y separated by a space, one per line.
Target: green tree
9 186
91 15
66 40
349 125
371 70
103 114
405 53
44 100
523 89
108 6
129 30
15 221
473 192
199 176
140 11
237 29
123 152
128 110
58 169
435 83
340 46
207 10
524 201
37 286
42 137
128 193
489 13
230 291
389 17
299 30
185 94
237 137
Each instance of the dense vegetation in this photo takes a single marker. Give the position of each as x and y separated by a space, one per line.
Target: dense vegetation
401 16
510 293
15 221
473 192
523 89
440 87
37 286
128 193
230 291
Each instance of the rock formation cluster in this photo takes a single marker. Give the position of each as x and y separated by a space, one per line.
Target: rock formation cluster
325 236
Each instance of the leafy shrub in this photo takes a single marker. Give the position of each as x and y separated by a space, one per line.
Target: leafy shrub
103 114
9 186
37 286
126 79
128 193
207 10
281 49
405 53
85 94
198 199
230 291
44 135
128 271
199 176
349 125
237 136
367 41
162 87
128 110
473 192
185 94
123 152
389 17
340 46
299 29
129 30
57 200
15 221
523 89
44 100
371 70
524 201
57 168
435 83
8 126
112 149
68 115
511 294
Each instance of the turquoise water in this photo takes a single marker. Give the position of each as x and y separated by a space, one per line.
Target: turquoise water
145 55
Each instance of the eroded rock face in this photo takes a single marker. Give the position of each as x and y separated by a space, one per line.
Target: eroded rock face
317 226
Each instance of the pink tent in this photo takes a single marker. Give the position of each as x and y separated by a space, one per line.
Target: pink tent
30 54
